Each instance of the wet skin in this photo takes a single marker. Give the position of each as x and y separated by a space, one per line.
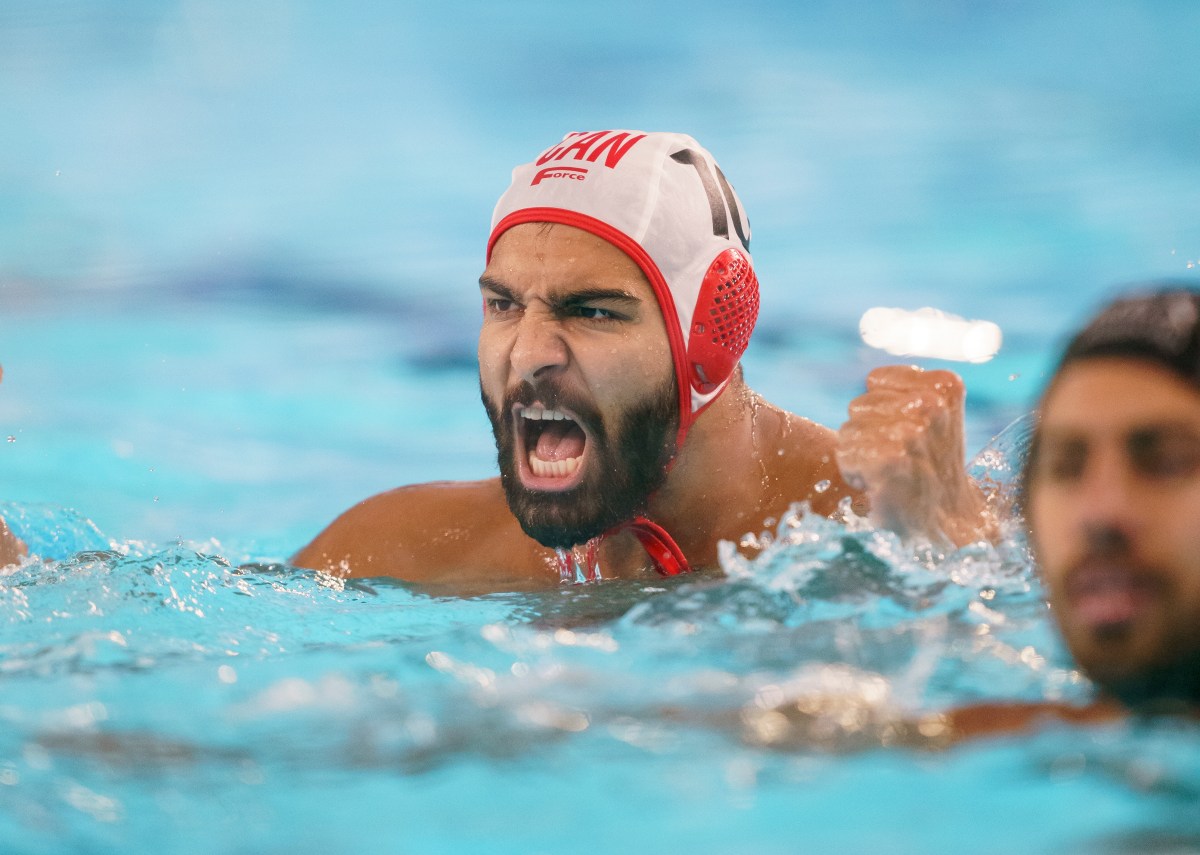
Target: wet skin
1114 513
569 315
903 444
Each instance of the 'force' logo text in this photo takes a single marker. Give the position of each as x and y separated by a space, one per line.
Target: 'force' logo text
574 173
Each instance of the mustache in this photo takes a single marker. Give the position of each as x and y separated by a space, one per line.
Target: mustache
1108 550
554 396
1103 545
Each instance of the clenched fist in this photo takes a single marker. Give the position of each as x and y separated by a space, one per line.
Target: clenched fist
903 446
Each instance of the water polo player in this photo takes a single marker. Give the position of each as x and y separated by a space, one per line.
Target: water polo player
618 297
1112 503
1113 498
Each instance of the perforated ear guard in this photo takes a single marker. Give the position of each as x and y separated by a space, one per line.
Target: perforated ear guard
722 321
663 200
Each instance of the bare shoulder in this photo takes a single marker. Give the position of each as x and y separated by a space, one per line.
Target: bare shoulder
806 436
805 462
423 533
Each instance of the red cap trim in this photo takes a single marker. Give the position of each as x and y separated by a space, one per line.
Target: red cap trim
642 259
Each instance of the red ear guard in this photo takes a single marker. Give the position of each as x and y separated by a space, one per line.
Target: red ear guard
724 318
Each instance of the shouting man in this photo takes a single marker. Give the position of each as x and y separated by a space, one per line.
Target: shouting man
618 297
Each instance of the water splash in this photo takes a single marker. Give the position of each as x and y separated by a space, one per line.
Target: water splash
576 569
52 531
997 468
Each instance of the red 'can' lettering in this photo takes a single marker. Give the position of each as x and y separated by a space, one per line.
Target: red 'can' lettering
581 145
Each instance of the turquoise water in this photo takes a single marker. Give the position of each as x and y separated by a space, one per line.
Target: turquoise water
161 699
237 253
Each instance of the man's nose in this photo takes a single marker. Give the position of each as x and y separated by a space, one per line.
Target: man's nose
538 348
1110 499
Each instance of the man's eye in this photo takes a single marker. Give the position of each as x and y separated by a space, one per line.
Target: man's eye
1165 456
1061 464
499 304
595 313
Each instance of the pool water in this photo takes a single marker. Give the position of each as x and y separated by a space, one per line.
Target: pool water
162 698
237 254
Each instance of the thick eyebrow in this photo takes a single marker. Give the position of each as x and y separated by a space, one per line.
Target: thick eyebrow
567 300
489 284
1137 435
594 295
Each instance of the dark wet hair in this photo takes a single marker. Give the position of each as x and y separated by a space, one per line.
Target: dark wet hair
1160 324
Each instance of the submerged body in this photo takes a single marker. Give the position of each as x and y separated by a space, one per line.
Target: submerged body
619 296
1112 498
462 534
1115 515
570 320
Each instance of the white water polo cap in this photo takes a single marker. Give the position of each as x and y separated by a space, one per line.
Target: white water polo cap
663 200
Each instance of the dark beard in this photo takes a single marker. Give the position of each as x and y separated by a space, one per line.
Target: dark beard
623 469
1171 682
1168 687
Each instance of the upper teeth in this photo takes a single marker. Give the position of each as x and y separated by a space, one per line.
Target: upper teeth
537 413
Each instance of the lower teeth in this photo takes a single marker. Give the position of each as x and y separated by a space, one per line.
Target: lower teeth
552 468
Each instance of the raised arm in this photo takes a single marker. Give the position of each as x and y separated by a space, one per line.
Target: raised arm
903 445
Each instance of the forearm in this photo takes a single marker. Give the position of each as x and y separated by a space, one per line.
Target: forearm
966 516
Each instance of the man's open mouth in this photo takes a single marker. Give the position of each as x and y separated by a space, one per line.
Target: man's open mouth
1106 595
551 447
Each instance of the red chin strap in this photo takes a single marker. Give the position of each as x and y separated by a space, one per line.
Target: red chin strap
668 558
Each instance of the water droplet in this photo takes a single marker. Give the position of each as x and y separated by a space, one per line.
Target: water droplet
12 438
1013 376
821 486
